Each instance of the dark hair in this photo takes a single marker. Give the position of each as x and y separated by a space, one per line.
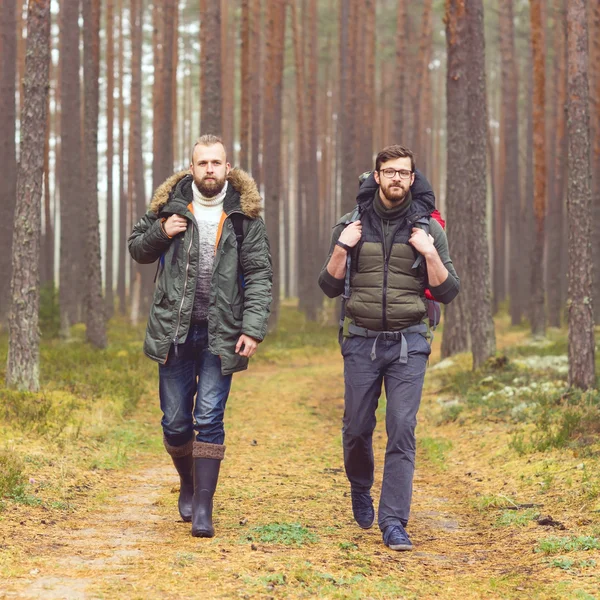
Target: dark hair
208 139
394 151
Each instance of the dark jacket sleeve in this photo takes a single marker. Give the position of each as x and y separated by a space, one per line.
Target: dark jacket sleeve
331 286
258 276
148 240
448 290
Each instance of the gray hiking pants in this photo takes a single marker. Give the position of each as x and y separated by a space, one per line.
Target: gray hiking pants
403 386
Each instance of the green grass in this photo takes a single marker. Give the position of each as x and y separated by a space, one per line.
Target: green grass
435 450
556 545
288 534
11 473
516 518
568 564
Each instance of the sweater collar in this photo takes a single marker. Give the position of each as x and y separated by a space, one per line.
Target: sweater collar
391 214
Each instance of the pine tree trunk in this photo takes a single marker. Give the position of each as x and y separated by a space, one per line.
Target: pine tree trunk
72 218
246 87
478 300
538 315
400 71
579 202
110 111
95 316
272 137
455 337
8 189
595 119
210 80
509 177
555 214
164 17
123 213
22 370
257 63
227 78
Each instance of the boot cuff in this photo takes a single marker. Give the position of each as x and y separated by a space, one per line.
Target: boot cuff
205 450
179 451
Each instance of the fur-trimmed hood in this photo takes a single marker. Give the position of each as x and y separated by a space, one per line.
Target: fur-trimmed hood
240 181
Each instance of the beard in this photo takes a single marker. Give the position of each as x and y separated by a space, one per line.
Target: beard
209 187
395 194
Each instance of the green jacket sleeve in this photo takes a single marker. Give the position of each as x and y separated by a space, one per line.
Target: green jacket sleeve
255 257
448 290
148 240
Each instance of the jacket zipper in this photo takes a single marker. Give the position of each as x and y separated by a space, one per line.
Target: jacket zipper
187 268
386 258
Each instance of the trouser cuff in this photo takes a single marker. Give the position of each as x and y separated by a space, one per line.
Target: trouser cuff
206 450
179 451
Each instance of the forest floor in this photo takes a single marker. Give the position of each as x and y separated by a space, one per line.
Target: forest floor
503 506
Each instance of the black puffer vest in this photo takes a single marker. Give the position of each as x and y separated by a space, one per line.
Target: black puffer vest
386 292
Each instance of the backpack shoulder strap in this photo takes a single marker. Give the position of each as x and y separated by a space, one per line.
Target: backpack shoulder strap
421 223
355 216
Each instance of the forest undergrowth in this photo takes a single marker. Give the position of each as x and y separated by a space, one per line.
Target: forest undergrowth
506 496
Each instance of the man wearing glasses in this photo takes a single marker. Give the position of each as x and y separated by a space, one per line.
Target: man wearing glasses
394 252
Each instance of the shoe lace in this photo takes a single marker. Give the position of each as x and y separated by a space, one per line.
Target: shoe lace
362 500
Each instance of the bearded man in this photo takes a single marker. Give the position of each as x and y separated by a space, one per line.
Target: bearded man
383 262
209 313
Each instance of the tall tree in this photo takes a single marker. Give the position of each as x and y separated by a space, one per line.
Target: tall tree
164 17
8 67
400 71
228 76
538 316
110 119
456 334
595 119
508 177
558 171
257 51
579 202
71 211
246 85
123 212
275 24
481 324
95 315
136 188
23 346
210 60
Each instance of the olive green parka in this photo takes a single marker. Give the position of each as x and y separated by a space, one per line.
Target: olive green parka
240 299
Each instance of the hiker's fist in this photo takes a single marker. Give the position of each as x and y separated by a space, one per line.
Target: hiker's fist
422 242
351 234
175 224
246 346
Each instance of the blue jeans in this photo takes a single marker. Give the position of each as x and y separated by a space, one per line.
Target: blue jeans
193 392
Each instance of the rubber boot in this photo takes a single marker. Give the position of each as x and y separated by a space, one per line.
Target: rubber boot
207 463
184 463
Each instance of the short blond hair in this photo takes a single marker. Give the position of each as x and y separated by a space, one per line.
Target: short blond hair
207 139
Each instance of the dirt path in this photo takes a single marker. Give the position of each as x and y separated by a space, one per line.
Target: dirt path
283 466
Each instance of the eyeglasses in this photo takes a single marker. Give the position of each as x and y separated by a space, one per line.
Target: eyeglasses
391 173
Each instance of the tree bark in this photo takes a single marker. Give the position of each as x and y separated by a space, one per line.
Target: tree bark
509 176
95 315
72 219
210 80
579 203
595 119
538 315
246 88
455 337
556 204
22 370
478 301
110 111
8 151
123 212
400 71
272 137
